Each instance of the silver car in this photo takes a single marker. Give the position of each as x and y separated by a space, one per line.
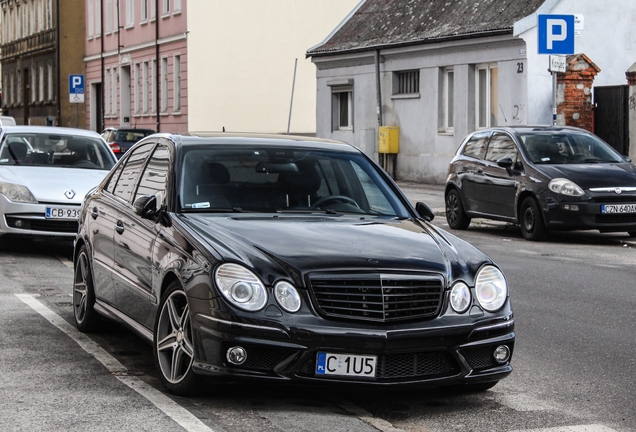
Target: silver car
45 172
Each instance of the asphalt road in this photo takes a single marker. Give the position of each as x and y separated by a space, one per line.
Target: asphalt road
574 303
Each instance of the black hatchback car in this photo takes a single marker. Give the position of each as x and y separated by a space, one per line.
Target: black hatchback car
285 259
543 178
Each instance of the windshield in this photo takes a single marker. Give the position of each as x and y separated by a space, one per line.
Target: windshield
568 148
272 180
46 149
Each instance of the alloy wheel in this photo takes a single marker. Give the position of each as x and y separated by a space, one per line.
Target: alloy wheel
174 347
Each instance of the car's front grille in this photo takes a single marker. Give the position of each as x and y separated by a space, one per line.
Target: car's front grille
57 226
614 199
615 218
479 358
409 365
377 297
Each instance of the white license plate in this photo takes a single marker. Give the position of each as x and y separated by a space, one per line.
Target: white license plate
618 208
346 365
69 213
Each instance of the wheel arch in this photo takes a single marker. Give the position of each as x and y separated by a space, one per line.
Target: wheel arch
522 197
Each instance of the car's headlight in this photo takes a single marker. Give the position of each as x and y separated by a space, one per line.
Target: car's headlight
17 193
287 296
565 187
241 287
460 297
491 288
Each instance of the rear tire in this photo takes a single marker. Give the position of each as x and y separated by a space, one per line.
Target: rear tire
173 348
85 317
531 221
455 214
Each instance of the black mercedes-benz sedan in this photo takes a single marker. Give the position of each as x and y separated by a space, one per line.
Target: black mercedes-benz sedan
542 178
285 258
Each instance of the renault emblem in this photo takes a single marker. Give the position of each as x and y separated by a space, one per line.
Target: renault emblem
618 191
69 194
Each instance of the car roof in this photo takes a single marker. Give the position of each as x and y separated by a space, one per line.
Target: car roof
534 128
229 138
50 130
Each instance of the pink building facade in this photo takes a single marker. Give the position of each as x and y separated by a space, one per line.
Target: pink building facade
136 64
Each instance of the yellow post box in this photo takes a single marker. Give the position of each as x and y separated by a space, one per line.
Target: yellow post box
389 139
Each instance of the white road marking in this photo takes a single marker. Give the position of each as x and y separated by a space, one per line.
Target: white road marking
580 428
367 417
173 410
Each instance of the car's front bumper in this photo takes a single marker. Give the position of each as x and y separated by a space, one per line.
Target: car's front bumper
29 219
571 214
425 354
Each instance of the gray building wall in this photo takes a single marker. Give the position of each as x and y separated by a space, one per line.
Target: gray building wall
424 151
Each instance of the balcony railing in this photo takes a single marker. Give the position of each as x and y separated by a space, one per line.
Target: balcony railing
37 42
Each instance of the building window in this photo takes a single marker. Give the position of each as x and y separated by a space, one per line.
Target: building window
486 99
342 107
177 6
153 10
49 15
12 88
41 82
130 13
407 82
447 109
107 91
32 83
32 16
144 11
137 88
114 78
109 24
145 86
164 85
177 83
165 7
153 72
19 76
49 67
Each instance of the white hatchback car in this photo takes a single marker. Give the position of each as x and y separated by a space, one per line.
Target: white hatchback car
45 172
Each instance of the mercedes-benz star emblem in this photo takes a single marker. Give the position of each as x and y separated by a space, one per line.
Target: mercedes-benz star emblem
618 191
69 194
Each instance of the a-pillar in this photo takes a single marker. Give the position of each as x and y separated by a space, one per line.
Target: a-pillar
631 81
574 92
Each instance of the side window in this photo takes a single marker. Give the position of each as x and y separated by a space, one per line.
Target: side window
476 147
110 187
127 182
155 177
501 146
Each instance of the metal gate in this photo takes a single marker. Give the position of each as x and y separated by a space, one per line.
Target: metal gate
611 121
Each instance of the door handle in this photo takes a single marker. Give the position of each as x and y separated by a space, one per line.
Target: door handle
94 213
119 227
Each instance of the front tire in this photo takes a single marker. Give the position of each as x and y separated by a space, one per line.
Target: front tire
455 215
173 348
532 226
84 314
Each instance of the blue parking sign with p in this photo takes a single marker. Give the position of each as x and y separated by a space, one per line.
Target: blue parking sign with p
76 88
556 34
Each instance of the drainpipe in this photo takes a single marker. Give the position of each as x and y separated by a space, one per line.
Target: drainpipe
100 126
57 61
378 95
158 67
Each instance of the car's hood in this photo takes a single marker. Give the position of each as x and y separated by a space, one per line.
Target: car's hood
53 184
314 243
594 175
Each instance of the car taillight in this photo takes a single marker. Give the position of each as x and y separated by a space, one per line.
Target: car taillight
116 148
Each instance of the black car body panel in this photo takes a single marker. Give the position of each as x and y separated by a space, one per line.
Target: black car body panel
394 270
490 189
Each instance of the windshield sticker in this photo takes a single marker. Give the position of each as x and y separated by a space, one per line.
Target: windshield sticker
201 205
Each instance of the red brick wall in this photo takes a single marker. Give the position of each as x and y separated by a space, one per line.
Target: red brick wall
576 107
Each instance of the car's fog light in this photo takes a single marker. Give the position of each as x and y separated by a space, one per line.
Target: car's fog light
501 354
571 207
19 223
460 297
236 355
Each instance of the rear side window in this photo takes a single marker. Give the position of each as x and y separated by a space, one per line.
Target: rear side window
476 146
127 182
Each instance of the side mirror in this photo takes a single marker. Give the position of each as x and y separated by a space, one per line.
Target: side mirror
146 206
627 159
424 211
505 163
